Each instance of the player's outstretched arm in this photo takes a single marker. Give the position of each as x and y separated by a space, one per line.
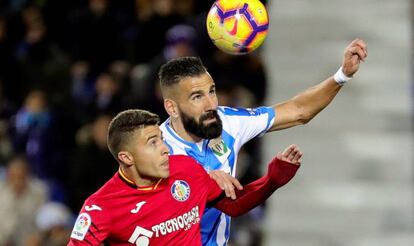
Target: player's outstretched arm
280 171
306 105
226 182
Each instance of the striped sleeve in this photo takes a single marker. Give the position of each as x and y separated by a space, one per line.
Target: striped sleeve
247 123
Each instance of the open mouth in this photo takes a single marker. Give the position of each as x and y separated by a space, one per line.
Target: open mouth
211 120
165 164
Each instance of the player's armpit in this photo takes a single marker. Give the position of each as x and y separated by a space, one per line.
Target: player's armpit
255 193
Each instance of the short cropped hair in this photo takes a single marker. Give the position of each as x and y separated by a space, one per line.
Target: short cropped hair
124 124
176 69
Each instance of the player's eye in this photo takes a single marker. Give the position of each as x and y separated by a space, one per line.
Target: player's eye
153 142
196 97
213 91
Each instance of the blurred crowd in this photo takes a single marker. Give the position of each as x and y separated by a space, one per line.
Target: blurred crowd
66 67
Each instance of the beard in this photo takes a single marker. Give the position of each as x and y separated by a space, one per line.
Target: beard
197 128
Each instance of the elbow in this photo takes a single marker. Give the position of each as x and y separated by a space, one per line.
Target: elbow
303 116
301 112
304 119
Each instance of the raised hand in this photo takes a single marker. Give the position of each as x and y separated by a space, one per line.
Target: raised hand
284 166
354 53
291 154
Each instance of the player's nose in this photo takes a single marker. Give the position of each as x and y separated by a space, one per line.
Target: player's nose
164 149
211 103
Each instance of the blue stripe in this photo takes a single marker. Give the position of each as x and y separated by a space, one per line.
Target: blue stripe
271 115
169 148
167 126
209 224
211 218
193 147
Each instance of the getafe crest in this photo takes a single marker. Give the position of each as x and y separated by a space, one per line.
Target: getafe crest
218 146
180 190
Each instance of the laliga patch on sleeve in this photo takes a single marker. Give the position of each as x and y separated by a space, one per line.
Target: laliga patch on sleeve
83 222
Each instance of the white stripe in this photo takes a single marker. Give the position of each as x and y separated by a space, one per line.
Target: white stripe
221 231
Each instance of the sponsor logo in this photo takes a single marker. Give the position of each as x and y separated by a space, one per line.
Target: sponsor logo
218 146
82 224
93 207
140 236
180 190
138 207
184 222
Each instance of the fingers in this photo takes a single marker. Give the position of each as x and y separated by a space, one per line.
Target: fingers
296 159
358 42
234 182
354 53
288 150
356 50
279 155
291 154
357 46
226 182
363 45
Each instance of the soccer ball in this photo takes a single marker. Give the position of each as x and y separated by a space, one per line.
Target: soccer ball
237 26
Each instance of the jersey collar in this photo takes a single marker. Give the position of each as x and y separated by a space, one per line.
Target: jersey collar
192 145
132 184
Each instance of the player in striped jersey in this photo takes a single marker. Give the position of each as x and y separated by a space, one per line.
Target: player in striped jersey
213 134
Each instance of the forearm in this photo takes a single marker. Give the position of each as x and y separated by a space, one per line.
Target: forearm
251 196
255 193
306 105
314 99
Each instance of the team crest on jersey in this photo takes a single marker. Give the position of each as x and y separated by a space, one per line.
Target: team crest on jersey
218 146
82 224
180 190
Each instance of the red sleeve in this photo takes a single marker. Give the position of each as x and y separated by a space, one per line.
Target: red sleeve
92 225
255 193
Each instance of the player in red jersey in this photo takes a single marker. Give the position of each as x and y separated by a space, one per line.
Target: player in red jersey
157 199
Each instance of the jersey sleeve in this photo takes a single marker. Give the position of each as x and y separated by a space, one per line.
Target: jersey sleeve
247 123
255 193
92 225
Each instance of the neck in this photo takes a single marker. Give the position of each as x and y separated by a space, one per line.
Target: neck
132 175
178 127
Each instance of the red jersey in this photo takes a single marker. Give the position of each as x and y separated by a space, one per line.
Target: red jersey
167 213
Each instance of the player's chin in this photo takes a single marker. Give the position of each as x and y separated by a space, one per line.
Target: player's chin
164 170
164 173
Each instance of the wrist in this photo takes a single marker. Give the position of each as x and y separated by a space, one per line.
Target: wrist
281 172
340 77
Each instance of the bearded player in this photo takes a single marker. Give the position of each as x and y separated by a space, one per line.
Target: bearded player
214 135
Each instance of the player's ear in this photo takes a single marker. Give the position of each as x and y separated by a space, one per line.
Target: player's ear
126 158
171 108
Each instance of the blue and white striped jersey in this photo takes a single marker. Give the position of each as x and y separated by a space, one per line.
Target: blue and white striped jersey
239 126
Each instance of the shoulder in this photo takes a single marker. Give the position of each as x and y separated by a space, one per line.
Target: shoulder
182 160
229 111
110 188
184 163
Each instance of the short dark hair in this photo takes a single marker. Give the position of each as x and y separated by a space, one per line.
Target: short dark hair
176 69
125 123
